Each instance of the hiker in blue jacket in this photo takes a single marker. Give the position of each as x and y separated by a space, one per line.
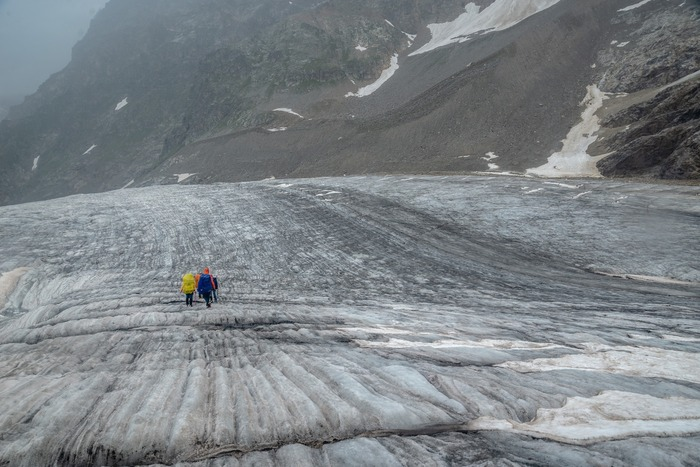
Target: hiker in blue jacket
205 286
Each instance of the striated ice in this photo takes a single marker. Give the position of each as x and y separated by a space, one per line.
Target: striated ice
361 321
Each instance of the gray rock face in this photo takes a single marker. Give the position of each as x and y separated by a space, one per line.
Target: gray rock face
361 321
662 139
658 137
660 48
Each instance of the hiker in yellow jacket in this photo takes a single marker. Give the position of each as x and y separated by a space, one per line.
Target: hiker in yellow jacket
188 287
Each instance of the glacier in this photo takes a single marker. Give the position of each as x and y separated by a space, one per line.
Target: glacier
423 320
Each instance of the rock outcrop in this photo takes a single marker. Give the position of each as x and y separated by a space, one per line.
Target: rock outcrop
657 137
662 139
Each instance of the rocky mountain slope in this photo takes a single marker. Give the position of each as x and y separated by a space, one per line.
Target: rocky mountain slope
198 91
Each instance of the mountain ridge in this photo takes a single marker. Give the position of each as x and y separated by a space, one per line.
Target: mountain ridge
195 79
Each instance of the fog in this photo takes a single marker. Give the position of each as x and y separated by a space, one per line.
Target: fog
36 38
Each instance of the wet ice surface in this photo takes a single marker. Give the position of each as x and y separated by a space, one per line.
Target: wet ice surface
363 321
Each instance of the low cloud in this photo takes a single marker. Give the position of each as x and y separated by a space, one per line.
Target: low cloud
39 36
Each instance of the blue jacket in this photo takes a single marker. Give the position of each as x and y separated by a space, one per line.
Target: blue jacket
206 284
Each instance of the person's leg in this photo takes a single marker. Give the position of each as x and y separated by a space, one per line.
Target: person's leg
213 293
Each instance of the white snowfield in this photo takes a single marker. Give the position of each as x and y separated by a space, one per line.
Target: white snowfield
573 160
499 15
361 321
383 78
635 6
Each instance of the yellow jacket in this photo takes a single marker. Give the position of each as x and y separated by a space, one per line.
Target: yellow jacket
188 284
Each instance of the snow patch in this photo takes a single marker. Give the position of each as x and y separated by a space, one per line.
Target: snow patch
607 416
36 163
386 74
394 343
505 173
360 48
573 160
647 362
564 185
182 177
128 184
273 130
8 282
490 156
411 38
672 338
636 5
121 104
639 277
622 44
689 77
500 15
330 192
90 149
289 111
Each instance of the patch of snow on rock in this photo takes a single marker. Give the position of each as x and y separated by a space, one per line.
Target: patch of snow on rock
182 177
636 5
684 79
360 48
90 149
36 163
490 156
573 160
289 111
411 38
500 15
386 74
121 104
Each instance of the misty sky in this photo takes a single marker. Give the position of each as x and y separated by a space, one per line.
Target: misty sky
36 37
